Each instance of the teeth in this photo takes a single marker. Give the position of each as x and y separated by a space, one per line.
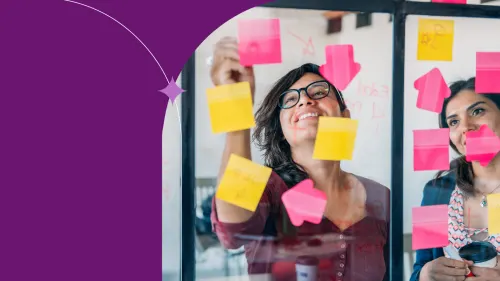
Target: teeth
308 115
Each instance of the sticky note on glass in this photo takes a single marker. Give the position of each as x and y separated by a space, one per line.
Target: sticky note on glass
230 107
488 72
482 145
432 90
493 214
435 40
335 138
430 227
243 182
450 1
340 68
430 149
304 203
259 41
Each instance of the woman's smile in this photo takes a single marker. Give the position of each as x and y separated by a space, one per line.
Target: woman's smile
308 115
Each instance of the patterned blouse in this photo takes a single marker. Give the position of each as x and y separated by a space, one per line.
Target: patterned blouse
458 233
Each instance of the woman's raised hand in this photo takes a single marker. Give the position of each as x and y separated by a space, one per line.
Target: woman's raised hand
226 67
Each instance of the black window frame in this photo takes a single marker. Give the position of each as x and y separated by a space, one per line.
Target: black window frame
399 10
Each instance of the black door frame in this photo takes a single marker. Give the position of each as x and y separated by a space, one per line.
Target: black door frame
399 9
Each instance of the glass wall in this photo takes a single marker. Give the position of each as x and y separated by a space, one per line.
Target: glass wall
472 2
305 35
444 49
279 235
171 191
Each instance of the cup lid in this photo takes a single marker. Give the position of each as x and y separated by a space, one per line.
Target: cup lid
307 260
477 252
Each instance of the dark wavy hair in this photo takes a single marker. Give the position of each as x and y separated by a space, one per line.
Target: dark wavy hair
460 167
268 134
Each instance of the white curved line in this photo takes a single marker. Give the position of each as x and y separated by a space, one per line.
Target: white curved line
166 78
90 7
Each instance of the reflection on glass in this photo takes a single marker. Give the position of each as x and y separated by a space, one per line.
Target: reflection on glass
463 2
171 186
459 180
337 227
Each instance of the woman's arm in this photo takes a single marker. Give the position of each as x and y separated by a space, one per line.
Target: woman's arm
236 143
435 192
226 69
419 272
234 235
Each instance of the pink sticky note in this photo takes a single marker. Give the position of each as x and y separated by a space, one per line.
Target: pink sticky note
430 149
450 1
430 227
304 203
259 41
488 72
482 145
340 68
432 90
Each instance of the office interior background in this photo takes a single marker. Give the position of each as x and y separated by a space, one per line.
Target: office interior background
304 35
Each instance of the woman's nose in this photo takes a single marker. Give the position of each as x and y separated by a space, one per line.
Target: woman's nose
304 99
469 126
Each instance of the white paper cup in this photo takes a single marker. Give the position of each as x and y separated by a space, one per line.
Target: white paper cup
306 268
489 263
483 254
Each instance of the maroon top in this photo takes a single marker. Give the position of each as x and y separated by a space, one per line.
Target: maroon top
359 253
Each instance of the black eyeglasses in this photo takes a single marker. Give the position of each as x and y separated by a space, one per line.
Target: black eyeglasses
315 91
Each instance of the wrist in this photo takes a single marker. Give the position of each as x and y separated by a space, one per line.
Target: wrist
238 134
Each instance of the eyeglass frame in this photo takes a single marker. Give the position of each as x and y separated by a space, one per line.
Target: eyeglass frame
338 95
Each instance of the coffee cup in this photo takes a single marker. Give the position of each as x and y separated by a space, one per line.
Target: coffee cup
306 268
483 254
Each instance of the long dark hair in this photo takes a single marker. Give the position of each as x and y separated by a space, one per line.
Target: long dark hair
460 167
268 134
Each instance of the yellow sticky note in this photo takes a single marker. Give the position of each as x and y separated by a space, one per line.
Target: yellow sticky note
335 138
493 214
230 107
243 182
435 39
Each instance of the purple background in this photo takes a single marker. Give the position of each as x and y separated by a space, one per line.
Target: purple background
81 123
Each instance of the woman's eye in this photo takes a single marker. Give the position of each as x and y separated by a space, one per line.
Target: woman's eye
477 111
453 123
319 92
289 100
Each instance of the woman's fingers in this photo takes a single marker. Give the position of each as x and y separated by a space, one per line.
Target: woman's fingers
453 263
470 263
228 72
226 67
448 269
485 271
227 47
227 39
226 52
452 271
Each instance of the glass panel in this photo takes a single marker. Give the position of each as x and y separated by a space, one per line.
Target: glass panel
470 2
470 36
273 244
171 195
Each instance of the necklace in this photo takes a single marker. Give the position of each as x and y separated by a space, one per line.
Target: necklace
484 203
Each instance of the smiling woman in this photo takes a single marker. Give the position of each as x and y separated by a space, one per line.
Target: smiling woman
353 210
464 187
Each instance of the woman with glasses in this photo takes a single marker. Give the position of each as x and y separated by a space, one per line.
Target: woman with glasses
350 243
